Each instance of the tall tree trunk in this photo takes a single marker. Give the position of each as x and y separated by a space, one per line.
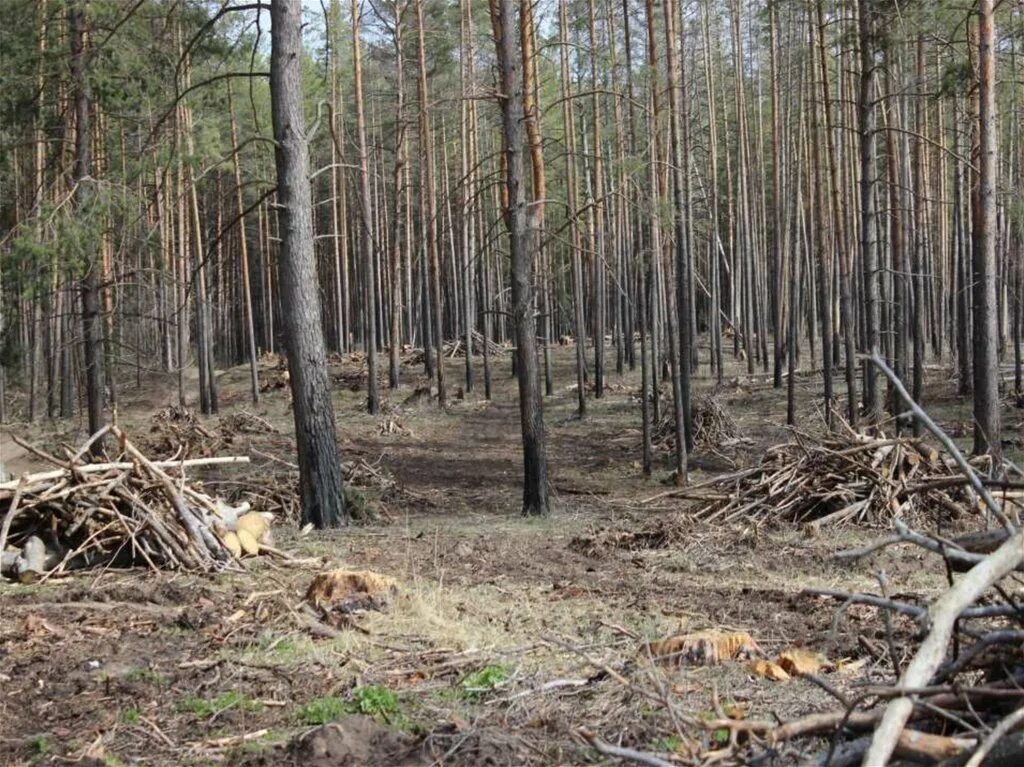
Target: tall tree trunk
597 230
987 435
868 246
847 316
89 285
918 306
429 207
467 219
398 177
776 252
572 213
320 479
535 217
899 271
682 266
243 242
824 249
535 490
366 246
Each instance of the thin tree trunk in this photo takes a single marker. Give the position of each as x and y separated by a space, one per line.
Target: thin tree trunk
243 242
987 435
366 246
89 285
868 246
839 224
429 206
535 492
572 212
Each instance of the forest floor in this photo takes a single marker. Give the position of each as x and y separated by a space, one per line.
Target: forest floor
506 636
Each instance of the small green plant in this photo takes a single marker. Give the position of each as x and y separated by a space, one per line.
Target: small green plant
206 707
144 675
669 743
375 700
372 700
479 683
358 505
720 736
40 745
130 715
279 645
322 710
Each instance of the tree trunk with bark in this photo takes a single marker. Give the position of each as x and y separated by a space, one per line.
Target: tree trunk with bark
89 285
535 489
320 478
987 436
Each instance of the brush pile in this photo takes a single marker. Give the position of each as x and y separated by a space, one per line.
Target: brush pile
713 427
124 511
276 493
244 422
842 477
177 430
456 348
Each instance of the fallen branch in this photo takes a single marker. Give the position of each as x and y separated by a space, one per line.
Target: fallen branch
619 752
942 616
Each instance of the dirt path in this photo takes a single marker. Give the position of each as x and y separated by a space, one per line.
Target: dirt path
14 459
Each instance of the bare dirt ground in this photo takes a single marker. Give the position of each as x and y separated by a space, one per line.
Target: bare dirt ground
507 636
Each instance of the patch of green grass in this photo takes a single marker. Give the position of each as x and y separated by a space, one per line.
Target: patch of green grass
284 646
322 710
129 715
206 707
372 700
375 700
263 743
476 685
40 745
670 743
447 694
145 675
720 736
359 505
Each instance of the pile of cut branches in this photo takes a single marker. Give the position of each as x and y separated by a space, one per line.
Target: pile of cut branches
123 510
713 427
244 422
178 430
455 348
277 492
945 686
842 477
960 698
